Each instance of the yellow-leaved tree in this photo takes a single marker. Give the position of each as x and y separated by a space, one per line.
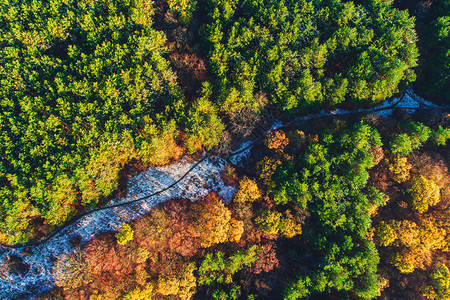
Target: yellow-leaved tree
248 191
424 192
399 167
412 244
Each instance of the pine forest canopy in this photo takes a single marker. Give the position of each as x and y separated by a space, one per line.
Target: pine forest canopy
309 53
436 45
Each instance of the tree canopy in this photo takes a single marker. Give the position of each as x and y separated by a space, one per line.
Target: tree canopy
307 54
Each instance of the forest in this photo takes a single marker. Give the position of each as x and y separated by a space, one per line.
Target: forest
314 221
337 206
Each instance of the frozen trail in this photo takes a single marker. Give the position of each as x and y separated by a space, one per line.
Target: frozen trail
190 180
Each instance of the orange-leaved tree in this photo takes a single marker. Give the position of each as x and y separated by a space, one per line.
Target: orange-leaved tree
212 222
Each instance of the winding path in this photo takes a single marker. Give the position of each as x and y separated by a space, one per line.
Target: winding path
184 179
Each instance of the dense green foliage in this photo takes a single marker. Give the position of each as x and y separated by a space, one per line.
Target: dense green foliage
215 269
330 179
436 53
88 92
308 53
411 136
86 89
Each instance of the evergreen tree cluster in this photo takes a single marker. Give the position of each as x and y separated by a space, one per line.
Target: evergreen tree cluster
306 54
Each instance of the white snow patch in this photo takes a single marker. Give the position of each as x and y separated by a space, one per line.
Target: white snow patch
339 111
385 113
276 124
424 102
242 147
242 153
227 194
408 102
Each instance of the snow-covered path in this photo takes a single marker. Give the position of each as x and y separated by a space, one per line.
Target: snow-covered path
408 101
203 178
196 181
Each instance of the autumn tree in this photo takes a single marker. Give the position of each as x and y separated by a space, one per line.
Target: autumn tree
285 223
184 286
276 139
212 222
399 167
269 221
424 192
248 191
411 243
